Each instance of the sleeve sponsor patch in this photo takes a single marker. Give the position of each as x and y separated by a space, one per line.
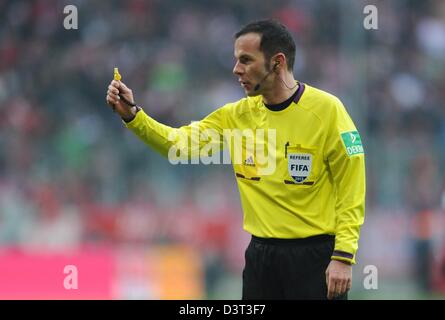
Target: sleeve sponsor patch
352 142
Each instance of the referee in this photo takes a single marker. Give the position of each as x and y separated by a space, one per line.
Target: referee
305 217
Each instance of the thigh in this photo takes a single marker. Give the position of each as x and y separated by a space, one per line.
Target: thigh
305 272
260 275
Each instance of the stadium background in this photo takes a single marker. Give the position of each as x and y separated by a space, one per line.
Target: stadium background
77 189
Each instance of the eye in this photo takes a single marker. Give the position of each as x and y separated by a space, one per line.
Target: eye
245 60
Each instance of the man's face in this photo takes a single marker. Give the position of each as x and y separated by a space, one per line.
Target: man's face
250 63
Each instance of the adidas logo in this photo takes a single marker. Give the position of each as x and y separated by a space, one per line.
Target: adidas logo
249 162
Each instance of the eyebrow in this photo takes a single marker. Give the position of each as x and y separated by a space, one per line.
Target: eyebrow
245 55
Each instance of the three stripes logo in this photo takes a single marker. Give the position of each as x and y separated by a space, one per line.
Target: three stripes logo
249 162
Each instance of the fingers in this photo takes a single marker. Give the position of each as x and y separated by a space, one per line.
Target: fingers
113 89
331 288
341 287
349 284
337 285
112 95
123 87
119 97
338 278
110 101
115 84
120 86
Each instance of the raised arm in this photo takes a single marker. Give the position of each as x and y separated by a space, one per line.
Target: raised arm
190 141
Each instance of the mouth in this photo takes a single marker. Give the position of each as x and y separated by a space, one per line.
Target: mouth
244 84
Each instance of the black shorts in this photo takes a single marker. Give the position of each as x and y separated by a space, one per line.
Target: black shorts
288 268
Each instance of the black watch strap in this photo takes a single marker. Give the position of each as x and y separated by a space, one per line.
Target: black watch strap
131 104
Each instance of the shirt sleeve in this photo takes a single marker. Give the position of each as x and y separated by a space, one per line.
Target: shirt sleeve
346 160
185 142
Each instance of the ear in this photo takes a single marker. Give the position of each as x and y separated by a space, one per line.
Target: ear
278 60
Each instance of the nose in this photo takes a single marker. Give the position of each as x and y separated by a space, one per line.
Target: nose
237 69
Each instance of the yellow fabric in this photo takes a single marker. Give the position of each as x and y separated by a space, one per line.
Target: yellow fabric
332 198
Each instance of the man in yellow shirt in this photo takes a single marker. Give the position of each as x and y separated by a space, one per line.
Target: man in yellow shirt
304 201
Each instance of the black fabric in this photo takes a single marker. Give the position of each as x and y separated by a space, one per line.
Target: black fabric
287 269
294 98
283 105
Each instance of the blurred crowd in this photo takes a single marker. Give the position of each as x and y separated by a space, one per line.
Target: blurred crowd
71 173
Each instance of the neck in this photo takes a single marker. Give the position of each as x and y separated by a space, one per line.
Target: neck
280 91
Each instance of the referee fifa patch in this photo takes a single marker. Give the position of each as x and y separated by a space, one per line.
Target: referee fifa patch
299 166
352 142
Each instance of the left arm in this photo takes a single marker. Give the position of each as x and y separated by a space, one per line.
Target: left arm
346 159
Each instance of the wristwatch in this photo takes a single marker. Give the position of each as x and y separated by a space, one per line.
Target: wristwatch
134 116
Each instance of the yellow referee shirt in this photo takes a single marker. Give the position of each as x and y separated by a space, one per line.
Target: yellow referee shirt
314 180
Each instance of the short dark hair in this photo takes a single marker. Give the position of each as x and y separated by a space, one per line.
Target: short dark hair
274 38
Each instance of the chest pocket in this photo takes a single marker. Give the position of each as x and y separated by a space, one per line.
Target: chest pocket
302 165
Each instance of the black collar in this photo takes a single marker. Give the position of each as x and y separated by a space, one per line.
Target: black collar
283 105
